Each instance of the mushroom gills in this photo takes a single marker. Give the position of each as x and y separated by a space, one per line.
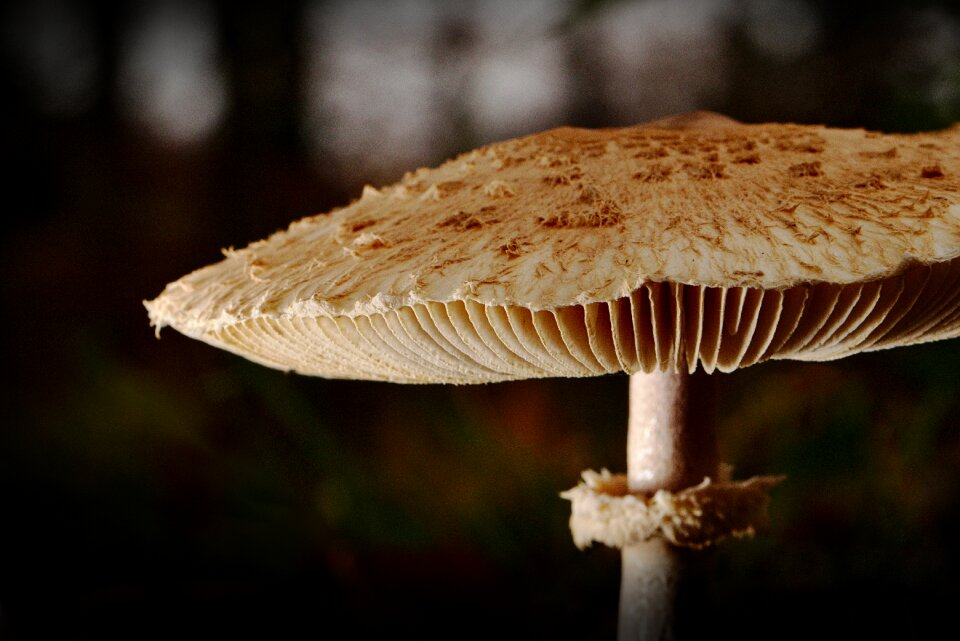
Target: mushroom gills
658 327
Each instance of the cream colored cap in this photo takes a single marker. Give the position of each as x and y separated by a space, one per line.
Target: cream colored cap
577 252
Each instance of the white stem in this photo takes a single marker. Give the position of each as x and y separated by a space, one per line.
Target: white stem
648 589
670 445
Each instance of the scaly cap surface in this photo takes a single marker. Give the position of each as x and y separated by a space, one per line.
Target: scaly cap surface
575 252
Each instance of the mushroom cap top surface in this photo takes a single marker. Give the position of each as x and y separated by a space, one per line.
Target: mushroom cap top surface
572 219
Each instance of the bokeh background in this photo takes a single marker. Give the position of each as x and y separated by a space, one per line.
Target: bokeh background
151 489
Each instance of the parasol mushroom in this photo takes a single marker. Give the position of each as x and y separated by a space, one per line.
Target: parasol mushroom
694 242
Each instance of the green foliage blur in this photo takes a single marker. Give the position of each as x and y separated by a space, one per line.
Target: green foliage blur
148 488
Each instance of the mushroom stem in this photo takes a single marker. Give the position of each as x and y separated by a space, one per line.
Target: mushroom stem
648 588
671 445
671 440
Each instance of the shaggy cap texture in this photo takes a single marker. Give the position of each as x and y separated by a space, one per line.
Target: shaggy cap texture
693 241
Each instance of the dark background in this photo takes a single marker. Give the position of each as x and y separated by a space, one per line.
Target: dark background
151 489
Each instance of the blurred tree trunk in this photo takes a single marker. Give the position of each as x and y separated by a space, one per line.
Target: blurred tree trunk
263 151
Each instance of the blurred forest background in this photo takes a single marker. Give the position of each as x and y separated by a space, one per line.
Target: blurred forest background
153 488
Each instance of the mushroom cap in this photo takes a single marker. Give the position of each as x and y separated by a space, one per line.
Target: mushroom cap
694 240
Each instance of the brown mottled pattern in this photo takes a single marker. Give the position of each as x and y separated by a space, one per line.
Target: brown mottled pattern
572 218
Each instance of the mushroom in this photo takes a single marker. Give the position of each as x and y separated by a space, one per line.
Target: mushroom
694 242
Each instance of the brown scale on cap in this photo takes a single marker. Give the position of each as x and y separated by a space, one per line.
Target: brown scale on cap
689 242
